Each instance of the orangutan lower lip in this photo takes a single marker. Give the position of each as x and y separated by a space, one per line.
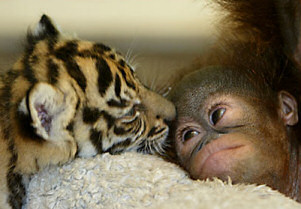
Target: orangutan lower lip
217 147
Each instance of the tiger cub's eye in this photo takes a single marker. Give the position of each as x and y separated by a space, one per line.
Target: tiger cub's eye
131 112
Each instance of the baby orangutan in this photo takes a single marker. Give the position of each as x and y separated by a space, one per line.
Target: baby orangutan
239 111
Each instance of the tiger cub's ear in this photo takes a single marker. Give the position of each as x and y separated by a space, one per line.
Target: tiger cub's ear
44 29
50 110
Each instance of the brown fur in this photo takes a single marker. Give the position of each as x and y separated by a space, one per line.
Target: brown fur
257 59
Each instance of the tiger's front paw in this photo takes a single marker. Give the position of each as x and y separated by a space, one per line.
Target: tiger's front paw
73 150
63 150
69 151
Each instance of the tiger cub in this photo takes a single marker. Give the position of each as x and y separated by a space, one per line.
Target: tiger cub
70 96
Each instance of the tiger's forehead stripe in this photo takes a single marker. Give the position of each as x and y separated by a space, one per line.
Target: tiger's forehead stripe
101 48
129 83
66 50
117 85
66 53
105 77
123 64
28 72
74 71
53 72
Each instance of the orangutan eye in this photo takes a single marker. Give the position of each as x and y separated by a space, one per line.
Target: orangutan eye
189 134
216 115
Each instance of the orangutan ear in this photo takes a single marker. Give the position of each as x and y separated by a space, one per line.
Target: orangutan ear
288 108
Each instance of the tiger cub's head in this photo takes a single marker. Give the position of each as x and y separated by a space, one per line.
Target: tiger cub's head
87 91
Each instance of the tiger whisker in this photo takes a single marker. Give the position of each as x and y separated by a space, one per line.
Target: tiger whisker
168 89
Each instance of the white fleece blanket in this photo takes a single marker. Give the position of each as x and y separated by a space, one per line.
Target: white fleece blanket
134 180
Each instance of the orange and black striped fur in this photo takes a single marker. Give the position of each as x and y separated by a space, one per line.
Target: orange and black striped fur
70 96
